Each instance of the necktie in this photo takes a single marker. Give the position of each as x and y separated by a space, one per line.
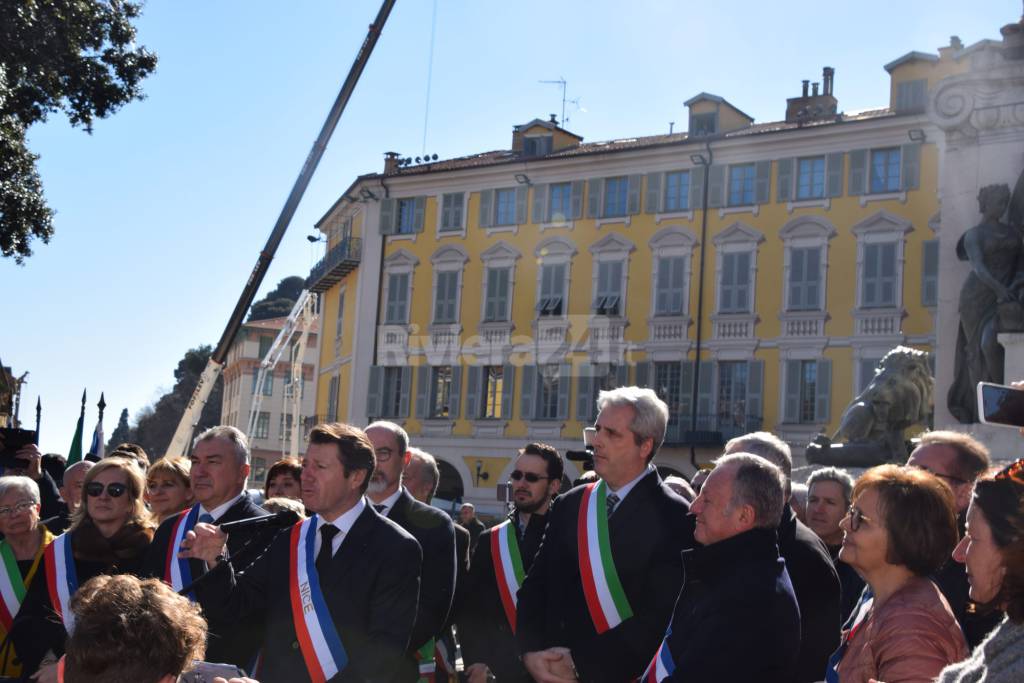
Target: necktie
611 501
380 508
206 517
323 558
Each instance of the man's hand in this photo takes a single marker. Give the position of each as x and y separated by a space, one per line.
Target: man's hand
205 542
29 453
479 673
553 665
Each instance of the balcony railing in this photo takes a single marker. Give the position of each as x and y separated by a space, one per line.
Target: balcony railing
712 430
341 260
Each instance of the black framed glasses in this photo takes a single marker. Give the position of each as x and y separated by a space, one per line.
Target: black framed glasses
94 489
856 518
530 477
1013 472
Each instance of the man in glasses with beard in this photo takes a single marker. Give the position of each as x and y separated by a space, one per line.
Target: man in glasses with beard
502 557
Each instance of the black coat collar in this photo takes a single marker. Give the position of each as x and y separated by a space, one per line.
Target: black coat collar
712 562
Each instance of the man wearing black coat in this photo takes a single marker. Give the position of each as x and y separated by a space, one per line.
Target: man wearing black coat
366 566
736 618
560 628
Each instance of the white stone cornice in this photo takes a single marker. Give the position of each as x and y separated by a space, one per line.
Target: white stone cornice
981 101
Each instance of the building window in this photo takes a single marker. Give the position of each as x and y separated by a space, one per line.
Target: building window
616 192
285 428
930 273
505 207
396 312
332 400
810 182
496 303
493 388
608 299
732 394
703 124
741 184
406 223
537 145
866 372
808 390
670 287
547 396
677 191
911 96
552 289
451 211
262 430
879 278
885 170
734 293
268 381
391 397
340 322
668 384
265 344
804 278
446 297
440 391
560 205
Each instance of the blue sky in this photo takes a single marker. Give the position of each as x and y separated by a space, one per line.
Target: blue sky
161 213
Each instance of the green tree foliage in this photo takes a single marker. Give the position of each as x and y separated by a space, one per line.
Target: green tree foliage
75 56
279 302
123 433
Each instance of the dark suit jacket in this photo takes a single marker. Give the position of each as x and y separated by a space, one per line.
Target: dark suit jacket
816 584
371 592
228 641
648 531
484 631
434 531
462 558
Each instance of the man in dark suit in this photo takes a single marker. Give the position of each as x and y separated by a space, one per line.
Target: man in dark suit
810 567
563 629
467 515
485 622
220 468
428 525
367 570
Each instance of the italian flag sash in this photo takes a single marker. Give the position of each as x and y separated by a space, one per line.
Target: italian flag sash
61 581
318 638
12 587
508 568
662 666
425 662
177 573
606 599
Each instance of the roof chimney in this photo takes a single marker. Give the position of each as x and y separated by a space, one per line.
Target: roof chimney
806 84
819 105
390 162
827 77
554 119
814 89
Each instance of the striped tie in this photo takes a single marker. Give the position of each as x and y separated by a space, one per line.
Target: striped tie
611 501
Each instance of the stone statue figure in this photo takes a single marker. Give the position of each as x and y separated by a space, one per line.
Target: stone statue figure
990 299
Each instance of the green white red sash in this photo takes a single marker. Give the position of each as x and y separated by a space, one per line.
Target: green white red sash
425 662
606 600
61 580
177 571
318 638
508 568
12 588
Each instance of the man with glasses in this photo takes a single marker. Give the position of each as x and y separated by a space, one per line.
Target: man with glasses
957 459
486 617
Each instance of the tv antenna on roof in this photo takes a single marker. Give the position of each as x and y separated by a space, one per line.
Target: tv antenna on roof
576 102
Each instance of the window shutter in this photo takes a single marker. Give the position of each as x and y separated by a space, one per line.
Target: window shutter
762 182
455 396
486 208
784 191
697 188
834 174
621 376
374 394
685 393
812 276
595 188
508 383
823 391
564 385
792 398
423 377
420 209
447 204
930 273
577 199
902 96
521 195
858 181
716 187
387 217
755 391
585 394
653 196
473 391
540 204
705 389
644 372
526 402
633 194
910 178
796 278
405 390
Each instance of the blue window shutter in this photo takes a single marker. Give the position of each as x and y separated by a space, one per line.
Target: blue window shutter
423 376
633 194
823 391
834 174
373 393
644 374
577 199
697 188
521 195
685 392
403 396
564 386
792 397
508 385
585 394
540 204
475 387
910 178
447 205
930 273
653 196
784 191
486 208
762 182
716 186
595 188
387 217
527 404
455 397
858 181
622 375
755 390
705 388
419 210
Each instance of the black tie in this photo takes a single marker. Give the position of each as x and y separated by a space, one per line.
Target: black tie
323 558
611 501
380 508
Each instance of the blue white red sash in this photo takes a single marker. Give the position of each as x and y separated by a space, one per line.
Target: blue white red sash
662 666
177 572
61 580
318 638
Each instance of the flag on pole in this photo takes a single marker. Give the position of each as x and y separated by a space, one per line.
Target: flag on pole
75 454
97 440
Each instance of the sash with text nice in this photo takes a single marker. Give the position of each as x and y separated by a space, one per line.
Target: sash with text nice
177 573
61 580
602 588
508 568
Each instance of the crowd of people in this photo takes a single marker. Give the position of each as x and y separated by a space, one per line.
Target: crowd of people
122 570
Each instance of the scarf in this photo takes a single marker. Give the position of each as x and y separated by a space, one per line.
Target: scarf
89 545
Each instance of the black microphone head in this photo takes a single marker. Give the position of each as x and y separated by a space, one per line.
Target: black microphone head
284 518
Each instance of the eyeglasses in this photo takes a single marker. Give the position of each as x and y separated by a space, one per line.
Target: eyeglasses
856 517
530 477
94 489
940 475
1013 472
17 509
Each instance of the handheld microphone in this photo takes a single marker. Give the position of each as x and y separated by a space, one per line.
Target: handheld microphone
278 520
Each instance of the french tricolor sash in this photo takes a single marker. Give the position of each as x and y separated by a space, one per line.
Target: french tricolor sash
61 581
602 588
662 666
318 638
177 573
508 568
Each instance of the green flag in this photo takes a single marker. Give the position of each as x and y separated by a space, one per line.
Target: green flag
75 454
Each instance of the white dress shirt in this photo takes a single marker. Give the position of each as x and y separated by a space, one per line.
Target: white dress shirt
343 523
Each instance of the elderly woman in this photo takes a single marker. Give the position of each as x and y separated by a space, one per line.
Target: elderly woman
168 487
109 534
24 540
284 480
993 550
900 528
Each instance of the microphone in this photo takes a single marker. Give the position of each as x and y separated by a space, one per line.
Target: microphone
278 520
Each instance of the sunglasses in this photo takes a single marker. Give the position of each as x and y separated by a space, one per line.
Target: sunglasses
856 517
1013 472
530 477
94 489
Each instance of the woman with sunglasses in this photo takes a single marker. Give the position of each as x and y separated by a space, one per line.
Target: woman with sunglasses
900 528
109 534
993 550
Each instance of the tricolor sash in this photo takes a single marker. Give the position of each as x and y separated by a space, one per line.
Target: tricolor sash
177 572
318 638
508 568
425 662
61 580
602 588
12 588
662 666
